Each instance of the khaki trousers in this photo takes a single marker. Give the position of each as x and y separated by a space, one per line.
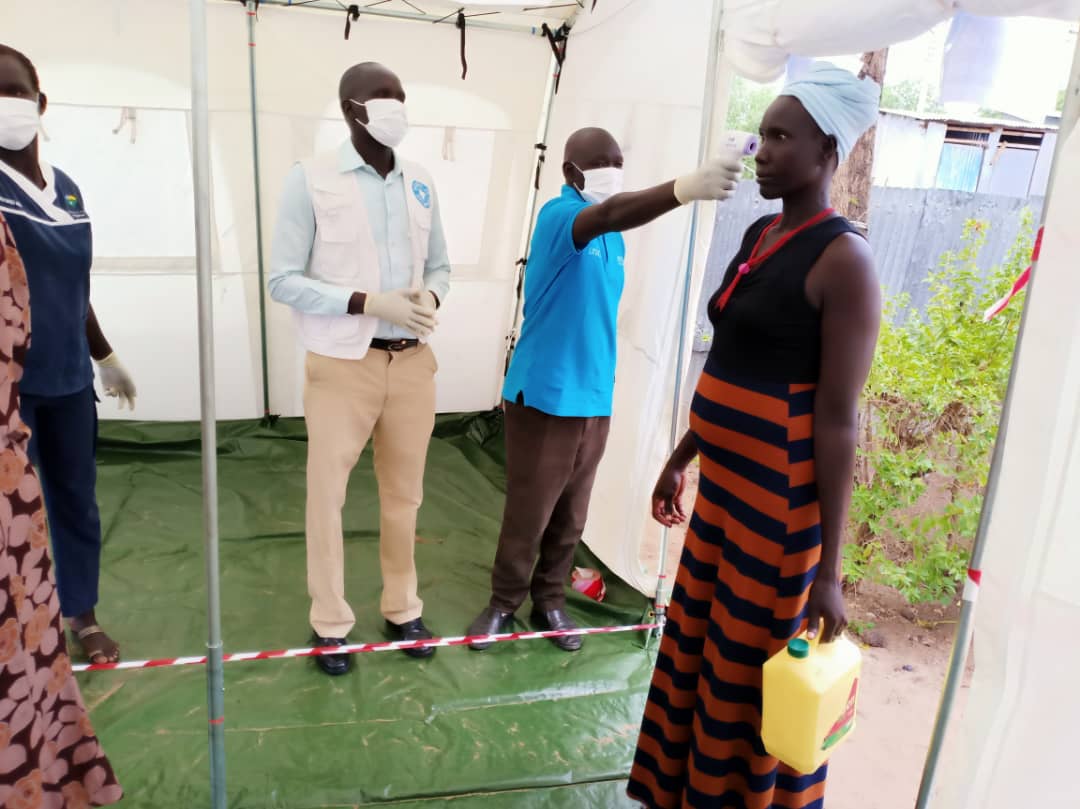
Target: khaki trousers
390 397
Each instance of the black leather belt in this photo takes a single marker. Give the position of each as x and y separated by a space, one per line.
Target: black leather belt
394 345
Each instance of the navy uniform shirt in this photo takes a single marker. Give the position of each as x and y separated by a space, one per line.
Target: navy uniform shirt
52 234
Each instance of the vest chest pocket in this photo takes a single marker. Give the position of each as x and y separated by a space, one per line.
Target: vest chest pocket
422 236
335 217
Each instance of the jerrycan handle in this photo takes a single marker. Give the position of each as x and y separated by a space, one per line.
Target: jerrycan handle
801 646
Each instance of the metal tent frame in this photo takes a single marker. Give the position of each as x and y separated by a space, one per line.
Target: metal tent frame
201 163
200 139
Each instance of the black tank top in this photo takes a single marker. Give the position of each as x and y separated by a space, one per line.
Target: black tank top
769 330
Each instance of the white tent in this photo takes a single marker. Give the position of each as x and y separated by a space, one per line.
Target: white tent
477 136
645 69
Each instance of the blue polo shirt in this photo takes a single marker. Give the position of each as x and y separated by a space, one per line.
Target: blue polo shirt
52 234
564 363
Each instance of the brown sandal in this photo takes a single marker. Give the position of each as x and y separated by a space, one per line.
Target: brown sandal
90 631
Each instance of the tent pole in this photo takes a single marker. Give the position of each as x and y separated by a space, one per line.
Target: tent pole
200 137
966 624
252 12
708 108
531 205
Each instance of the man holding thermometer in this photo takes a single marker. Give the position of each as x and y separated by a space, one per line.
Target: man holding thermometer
559 386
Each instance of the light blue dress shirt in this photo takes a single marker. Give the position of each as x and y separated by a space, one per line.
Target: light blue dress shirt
388 216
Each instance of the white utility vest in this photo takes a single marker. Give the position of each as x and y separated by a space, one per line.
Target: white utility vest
344 252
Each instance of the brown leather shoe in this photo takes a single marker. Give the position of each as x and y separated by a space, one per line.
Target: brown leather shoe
490 622
555 620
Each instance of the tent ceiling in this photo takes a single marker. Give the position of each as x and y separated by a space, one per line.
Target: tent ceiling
761 34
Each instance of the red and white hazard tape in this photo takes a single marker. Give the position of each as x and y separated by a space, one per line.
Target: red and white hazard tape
362 648
971 586
1018 285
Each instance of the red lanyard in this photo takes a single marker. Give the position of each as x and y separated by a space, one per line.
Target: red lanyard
756 260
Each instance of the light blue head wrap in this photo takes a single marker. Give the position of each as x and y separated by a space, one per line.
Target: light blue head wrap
841 104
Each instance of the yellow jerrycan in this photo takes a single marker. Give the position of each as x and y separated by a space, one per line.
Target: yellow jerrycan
809 691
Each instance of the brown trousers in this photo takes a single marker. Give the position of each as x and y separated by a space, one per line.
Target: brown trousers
389 397
551 465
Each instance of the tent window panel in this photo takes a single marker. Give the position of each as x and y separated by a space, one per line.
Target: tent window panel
960 167
134 169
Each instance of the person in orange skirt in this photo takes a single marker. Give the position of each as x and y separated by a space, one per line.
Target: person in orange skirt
774 425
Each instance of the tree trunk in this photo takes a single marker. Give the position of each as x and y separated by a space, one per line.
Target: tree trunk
851 198
853 180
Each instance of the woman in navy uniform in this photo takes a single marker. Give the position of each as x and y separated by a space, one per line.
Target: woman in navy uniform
44 209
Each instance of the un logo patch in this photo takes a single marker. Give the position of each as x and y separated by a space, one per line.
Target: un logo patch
422 193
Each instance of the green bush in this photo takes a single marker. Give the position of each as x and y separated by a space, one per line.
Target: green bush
929 422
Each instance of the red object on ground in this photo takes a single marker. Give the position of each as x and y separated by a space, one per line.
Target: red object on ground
588 581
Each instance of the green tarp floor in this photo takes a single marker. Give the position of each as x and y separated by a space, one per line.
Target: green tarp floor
521 726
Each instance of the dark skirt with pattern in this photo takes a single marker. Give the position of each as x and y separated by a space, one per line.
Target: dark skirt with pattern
751 553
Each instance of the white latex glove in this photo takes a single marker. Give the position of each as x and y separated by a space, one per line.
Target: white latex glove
116 381
403 307
717 179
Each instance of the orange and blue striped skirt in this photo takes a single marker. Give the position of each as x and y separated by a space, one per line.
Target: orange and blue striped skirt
751 554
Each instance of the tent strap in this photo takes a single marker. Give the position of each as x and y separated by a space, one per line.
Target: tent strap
461 27
352 14
558 39
540 158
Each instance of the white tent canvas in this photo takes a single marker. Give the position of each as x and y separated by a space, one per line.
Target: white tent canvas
638 68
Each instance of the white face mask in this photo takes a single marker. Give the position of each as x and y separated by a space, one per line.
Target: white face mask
600 184
387 122
19 121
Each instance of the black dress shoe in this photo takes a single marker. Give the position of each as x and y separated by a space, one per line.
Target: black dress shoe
413 630
334 665
556 620
490 622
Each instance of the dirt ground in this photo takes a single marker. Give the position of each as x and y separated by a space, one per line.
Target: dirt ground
905 656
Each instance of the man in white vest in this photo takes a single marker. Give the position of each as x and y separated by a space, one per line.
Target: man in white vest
360 255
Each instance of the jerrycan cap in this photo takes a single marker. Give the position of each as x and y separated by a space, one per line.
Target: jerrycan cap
798 648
